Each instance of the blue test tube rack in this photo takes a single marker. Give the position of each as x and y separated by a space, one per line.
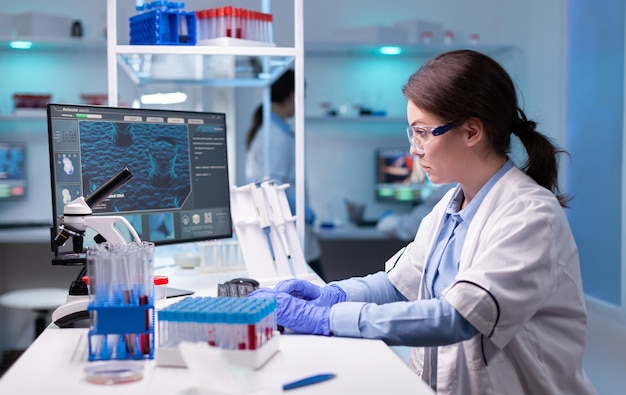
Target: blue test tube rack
122 305
161 25
121 332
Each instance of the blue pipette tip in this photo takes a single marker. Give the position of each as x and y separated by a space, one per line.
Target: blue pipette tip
266 230
292 267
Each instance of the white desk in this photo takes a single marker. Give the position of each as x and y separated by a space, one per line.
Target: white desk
55 362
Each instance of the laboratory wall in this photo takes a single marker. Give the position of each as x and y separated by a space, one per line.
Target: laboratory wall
595 139
528 38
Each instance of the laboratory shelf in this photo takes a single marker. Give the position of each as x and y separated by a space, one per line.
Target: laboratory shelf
136 60
273 62
54 44
23 233
206 50
25 117
332 48
364 118
138 65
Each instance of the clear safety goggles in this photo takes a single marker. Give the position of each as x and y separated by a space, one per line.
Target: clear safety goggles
420 135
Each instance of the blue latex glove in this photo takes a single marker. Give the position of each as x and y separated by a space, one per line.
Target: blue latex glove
320 296
297 314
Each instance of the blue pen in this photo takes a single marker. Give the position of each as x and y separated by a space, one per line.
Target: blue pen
308 381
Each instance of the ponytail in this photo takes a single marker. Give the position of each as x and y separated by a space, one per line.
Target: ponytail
542 162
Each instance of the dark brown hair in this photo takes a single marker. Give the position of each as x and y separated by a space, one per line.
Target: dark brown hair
281 89
463 84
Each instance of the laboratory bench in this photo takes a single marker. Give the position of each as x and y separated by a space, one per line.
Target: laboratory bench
25 234
55 363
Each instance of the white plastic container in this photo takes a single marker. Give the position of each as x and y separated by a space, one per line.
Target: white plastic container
252 359
382 35
421 32
187 260
160 291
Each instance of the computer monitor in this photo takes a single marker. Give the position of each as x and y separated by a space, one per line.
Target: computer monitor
179 190
399 177
12 171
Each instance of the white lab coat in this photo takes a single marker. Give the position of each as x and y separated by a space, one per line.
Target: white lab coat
519 284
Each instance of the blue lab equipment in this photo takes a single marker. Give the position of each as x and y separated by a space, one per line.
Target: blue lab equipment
122 304
297 314
320 296
163 23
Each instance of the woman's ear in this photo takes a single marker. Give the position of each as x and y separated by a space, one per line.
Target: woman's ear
475 132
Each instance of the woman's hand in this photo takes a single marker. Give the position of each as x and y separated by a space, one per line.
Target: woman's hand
297 314
320 296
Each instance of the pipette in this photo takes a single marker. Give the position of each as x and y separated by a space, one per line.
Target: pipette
278 219
264 221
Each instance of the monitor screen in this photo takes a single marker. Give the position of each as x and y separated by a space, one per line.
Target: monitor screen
179 190
399 177
12 171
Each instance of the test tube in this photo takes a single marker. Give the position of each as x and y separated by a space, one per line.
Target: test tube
220 19
212 23
228 20
237 18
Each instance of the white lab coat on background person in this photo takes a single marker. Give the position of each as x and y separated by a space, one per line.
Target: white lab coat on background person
279 164
282 169
521 224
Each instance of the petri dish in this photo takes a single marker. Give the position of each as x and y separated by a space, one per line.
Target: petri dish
114 372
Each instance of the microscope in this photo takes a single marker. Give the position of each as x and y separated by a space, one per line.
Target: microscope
77 218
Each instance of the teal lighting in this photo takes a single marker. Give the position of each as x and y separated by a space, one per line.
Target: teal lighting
390 50
21 44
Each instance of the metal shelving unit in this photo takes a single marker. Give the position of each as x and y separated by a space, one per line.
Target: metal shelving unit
273 59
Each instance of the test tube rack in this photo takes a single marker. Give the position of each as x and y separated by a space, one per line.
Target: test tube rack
121 332
163 27
121 306
242 329
281 257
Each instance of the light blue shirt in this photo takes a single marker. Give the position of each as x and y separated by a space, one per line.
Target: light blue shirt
375 309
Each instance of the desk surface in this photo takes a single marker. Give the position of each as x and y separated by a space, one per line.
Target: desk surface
55 362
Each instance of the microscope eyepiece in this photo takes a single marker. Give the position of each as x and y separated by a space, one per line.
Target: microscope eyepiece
109 187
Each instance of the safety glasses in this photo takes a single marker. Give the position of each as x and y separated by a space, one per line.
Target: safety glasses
420 135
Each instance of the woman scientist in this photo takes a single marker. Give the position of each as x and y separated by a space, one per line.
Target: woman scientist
489 292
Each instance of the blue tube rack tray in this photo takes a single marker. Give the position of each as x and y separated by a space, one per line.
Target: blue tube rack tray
121 332
163 27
